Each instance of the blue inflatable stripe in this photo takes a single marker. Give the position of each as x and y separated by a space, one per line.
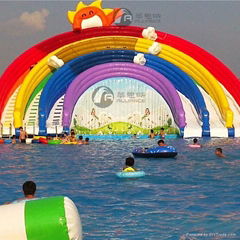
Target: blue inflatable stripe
61 79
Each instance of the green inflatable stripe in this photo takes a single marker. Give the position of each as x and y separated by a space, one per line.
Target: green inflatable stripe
40 86
45 219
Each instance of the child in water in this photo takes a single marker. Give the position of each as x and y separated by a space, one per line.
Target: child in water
162 133
129 165
161 143
86 141
219 153
80 140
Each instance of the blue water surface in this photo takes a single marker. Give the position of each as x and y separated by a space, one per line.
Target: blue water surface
178 198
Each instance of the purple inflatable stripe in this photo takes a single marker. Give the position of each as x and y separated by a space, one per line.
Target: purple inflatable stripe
121 69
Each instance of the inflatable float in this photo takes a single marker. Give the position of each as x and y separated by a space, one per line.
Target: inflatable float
136 174
53 142
195 146
155 152
43 140
41 219
8 141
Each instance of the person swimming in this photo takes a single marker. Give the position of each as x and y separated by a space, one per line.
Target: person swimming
86 141
129 165
14 140
29 189
162 133
195 144
219 153
152 134
161 143
80 140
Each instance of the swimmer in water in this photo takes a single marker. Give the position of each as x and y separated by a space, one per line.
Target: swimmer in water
162 133
86 141
161 143
29 189
219 153
80 140
14 139
129 165
23 135
195 142
152 134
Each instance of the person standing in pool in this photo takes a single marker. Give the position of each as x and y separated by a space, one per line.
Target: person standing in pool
152 134
129 165
219 153
162 133
23 135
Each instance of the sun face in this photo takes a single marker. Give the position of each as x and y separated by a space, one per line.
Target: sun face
93 15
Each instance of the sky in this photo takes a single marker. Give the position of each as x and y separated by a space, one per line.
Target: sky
213 25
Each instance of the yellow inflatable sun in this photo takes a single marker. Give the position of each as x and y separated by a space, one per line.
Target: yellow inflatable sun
93 15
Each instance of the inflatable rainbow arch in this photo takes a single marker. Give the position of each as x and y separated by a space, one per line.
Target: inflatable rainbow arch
202 92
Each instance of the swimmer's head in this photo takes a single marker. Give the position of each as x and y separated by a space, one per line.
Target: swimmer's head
87 139
80 138
195 140
21 128
130 161
151 131
218 150
29 188
162 129
161 142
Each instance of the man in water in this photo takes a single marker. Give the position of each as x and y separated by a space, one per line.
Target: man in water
23 135
29 189
161 143
219 152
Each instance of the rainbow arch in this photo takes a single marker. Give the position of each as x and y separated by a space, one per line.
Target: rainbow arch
206 82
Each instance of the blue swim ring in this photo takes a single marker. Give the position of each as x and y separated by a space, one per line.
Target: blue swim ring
136 174
156 152
8 141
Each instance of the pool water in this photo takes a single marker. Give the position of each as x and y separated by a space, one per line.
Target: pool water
180 198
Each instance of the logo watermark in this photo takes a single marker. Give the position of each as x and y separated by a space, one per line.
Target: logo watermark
103 97
126 18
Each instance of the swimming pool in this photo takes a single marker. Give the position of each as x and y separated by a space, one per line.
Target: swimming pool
195 193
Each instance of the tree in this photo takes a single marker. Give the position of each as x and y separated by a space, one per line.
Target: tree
74 122
169 122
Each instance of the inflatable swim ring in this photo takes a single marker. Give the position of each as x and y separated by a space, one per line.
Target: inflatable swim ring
28 140
46 218
54 142
194 145
155 152
1 141
8 141
136 174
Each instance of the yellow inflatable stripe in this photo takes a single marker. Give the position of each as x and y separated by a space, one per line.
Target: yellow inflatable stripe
73 50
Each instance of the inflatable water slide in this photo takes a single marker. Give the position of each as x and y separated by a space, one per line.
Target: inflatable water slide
44 83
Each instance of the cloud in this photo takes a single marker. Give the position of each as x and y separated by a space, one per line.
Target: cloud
36 20
27 22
